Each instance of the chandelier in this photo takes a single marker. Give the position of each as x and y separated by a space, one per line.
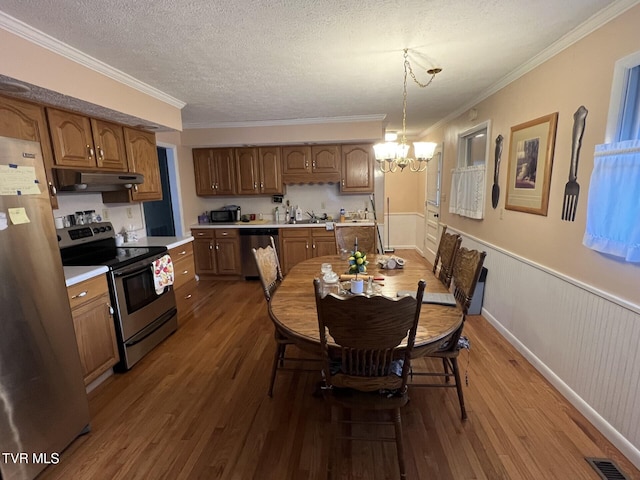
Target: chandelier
392 155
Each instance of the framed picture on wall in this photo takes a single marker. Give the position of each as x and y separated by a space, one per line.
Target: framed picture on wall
530 161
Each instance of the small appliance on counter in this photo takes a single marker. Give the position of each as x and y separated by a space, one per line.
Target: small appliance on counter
222 216
236 209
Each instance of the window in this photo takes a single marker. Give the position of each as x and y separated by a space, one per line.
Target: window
472 146
623 122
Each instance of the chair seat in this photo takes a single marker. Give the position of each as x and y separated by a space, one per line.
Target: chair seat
348 398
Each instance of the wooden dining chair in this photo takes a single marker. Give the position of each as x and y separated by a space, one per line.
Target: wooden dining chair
270 274
446 256
346 238
466 271
364 369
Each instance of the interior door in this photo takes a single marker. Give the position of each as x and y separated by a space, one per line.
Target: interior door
432 206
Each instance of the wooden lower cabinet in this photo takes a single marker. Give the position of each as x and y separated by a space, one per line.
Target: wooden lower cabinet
217 252
301 243
93 323
184 272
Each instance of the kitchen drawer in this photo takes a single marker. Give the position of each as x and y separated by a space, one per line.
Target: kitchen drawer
181 251
183 264
86 291
226 233
203 233
184 270
297 232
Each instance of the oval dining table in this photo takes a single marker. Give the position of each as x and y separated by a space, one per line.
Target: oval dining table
293 306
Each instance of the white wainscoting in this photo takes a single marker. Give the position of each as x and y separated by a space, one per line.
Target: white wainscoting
584 341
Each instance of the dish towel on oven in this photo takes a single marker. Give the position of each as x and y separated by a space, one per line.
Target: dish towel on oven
162 273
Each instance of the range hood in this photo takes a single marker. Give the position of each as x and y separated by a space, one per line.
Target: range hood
96 181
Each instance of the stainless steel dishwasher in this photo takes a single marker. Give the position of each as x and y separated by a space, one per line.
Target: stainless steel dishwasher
254 238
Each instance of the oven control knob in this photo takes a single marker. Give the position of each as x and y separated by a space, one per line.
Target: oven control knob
108 228
103 229
96 230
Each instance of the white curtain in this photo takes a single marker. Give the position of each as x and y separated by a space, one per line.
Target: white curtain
467 191
613 208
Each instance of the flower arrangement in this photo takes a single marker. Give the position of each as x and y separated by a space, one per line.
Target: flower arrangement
358 262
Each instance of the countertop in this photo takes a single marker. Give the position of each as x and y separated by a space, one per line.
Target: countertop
169 242
74 275
271 224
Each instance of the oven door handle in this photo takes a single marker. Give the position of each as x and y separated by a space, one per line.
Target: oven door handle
137 267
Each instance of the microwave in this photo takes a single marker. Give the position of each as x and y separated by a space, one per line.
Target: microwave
224 215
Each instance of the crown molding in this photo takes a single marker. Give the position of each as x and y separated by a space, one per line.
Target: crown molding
589 26
288 122
22 30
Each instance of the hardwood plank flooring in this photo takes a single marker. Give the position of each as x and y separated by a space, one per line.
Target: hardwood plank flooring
197 408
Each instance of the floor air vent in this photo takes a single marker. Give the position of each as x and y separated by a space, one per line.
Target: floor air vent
606 468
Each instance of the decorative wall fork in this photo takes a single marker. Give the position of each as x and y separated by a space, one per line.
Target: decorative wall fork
572 189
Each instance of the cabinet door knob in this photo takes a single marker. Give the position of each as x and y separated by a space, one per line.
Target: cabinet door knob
184 252
110 308
261 185
52 189
255 185
210 246
100 152
313 164
307 244
81 294
90 151
187 297
343 182
185 272
217 246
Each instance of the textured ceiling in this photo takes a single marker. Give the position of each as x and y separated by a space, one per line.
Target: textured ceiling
280 60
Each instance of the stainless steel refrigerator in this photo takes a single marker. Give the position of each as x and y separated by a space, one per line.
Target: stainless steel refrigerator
43 403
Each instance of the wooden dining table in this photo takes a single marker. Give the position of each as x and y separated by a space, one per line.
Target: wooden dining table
293 306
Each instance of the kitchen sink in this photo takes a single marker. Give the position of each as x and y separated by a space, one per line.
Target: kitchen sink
309 221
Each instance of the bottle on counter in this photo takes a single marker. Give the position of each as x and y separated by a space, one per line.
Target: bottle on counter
298 213
277 215
342 215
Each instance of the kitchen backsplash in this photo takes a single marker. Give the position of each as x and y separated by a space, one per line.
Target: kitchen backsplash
320 199
317 198
121 215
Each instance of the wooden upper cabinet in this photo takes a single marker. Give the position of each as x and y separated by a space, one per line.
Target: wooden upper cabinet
325 159
258 171
247 171
26 121
83 142
214 170
224 171
71 139
357 169
202 164
108 139
142 157
296 160
270 163
315 164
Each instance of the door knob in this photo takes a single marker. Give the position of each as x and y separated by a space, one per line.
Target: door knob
436 215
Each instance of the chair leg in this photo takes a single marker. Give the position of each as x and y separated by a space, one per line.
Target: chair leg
445 365
456 373
283 347
279 353
397 424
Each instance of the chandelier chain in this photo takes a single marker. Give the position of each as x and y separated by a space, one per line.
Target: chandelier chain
407 65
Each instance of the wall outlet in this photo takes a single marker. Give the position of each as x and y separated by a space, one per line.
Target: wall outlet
105 214
129 213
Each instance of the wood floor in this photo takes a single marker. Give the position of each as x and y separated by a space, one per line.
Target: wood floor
196 408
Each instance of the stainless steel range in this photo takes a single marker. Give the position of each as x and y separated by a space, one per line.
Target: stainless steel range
143 318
